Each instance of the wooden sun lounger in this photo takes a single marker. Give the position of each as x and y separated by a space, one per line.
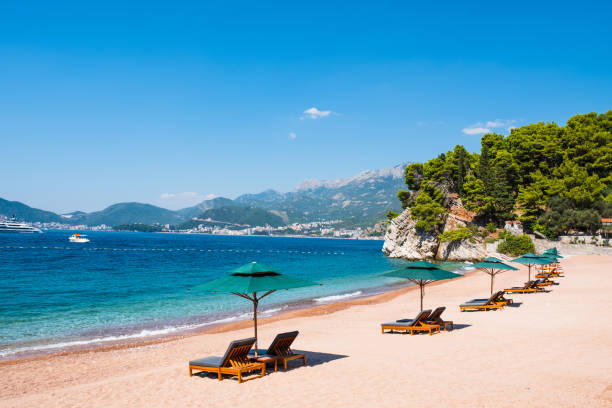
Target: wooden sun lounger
484 304
418 324
235 361
280 350
544 282
436 318
498 297
530 287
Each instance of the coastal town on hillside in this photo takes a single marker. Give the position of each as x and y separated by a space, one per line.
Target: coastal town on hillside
322 229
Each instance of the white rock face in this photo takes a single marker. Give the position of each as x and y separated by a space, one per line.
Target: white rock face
402 240
514 227
469 249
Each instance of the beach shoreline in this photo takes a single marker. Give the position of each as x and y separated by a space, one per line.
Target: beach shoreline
294 311
513 354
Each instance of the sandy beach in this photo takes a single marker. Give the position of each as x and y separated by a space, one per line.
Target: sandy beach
550 349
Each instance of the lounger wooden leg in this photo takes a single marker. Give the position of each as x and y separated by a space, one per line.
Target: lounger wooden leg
239 377
285 364
304 358
190 373
219 376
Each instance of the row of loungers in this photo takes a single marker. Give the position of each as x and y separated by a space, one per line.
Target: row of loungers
425 321
239 358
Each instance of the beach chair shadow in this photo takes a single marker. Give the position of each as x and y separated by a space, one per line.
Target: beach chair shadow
460 326
316 358
515 304
213 376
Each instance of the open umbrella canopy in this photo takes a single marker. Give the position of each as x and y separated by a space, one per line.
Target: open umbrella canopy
494 263
552 251
250 282
422 273
530 259
247 280
535 259
422 270
493 266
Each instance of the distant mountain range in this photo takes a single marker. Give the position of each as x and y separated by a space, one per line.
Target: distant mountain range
361 200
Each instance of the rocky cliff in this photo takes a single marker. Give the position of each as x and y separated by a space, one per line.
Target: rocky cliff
403 240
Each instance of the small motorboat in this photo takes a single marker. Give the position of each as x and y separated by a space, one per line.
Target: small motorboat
78 238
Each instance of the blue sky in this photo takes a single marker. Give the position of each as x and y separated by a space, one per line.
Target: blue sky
168 103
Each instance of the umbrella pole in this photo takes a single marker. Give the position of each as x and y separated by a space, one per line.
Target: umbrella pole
255 302
492 277
422 285
529 272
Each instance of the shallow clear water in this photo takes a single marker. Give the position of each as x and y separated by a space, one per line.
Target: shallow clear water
125 286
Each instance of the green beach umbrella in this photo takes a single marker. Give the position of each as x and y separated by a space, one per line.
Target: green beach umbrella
249 280
422 273
492 266
552 251
530 259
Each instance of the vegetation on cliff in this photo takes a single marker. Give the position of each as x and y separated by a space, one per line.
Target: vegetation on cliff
552 178
516 245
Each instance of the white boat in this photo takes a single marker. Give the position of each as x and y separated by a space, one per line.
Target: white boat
78 238
15 226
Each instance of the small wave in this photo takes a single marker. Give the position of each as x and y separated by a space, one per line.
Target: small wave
249 315
274 310
100 340
334 298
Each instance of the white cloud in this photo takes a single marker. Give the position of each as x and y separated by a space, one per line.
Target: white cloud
292 135
184 199
314 113
486 127
475 130
186 194
499 123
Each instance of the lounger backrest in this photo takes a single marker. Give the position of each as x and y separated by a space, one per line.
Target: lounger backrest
500 296
281 345
237 353
421 317
436 313
492 298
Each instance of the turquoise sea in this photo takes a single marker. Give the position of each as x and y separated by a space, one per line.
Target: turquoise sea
122 287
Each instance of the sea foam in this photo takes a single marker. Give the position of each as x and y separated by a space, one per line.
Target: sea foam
334 298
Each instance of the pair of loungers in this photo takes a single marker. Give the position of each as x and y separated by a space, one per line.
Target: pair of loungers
529 287
497 301
425 321
238 360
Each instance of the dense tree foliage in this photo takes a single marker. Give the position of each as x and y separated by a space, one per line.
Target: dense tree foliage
552 178
427 211
455 235
516 245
